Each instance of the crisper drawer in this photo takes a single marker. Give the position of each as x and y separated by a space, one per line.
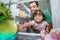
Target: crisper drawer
29 36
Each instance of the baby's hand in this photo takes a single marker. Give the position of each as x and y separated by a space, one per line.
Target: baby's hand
47 37
27 17
20 27
43 33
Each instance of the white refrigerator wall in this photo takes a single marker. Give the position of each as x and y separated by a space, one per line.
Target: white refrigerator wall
55 8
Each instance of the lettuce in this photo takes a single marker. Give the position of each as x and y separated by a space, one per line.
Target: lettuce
5 13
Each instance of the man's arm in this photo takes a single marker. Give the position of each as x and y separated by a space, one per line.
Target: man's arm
47 29
25 8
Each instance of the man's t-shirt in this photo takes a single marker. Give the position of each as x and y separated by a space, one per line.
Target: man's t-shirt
48 15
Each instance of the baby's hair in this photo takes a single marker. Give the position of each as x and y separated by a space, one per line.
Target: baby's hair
39 12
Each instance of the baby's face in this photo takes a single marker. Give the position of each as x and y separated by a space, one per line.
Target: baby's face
38 18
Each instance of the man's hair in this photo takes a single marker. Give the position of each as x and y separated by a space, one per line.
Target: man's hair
35 2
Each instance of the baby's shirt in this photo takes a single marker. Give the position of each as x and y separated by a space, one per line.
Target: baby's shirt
39 27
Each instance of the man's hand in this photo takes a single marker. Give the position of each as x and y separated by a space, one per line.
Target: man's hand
21 5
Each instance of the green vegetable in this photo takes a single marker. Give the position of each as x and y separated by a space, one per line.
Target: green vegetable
8 28
5 13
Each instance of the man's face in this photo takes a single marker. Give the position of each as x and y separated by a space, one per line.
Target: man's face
33 7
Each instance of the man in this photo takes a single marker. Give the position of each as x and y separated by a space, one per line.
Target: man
34 6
